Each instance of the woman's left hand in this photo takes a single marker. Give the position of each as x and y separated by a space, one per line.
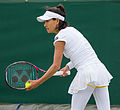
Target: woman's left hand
65 69
34 84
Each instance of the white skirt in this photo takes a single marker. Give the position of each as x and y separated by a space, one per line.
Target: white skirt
96 73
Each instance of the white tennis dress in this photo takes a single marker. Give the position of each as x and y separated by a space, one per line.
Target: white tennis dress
84 59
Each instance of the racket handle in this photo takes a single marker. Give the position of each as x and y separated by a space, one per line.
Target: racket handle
61 73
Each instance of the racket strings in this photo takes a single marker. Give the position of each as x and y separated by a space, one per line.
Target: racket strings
18 74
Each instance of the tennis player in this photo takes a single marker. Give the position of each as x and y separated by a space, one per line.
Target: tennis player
92 77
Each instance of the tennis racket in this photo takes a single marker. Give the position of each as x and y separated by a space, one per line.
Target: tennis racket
18 73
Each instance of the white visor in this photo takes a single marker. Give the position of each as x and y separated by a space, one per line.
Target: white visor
49 15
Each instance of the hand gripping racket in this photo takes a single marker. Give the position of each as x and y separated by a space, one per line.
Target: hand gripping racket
18 73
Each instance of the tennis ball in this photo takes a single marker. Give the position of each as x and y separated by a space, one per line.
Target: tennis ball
27 84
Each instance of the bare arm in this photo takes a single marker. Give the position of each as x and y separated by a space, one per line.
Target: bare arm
58 55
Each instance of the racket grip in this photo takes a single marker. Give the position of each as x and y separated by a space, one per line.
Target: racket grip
61 73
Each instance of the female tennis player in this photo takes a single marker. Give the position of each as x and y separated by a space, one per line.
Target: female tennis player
92 77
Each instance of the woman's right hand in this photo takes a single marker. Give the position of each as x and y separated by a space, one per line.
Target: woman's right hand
65 69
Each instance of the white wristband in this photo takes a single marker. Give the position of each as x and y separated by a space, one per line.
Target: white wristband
70 64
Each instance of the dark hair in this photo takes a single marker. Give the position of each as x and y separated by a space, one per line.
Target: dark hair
61 11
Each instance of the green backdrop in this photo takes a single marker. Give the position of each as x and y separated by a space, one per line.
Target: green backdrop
23 38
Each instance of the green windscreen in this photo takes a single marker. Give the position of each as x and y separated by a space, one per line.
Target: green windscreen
18 1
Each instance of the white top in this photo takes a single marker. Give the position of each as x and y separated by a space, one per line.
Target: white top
81 55
77 48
